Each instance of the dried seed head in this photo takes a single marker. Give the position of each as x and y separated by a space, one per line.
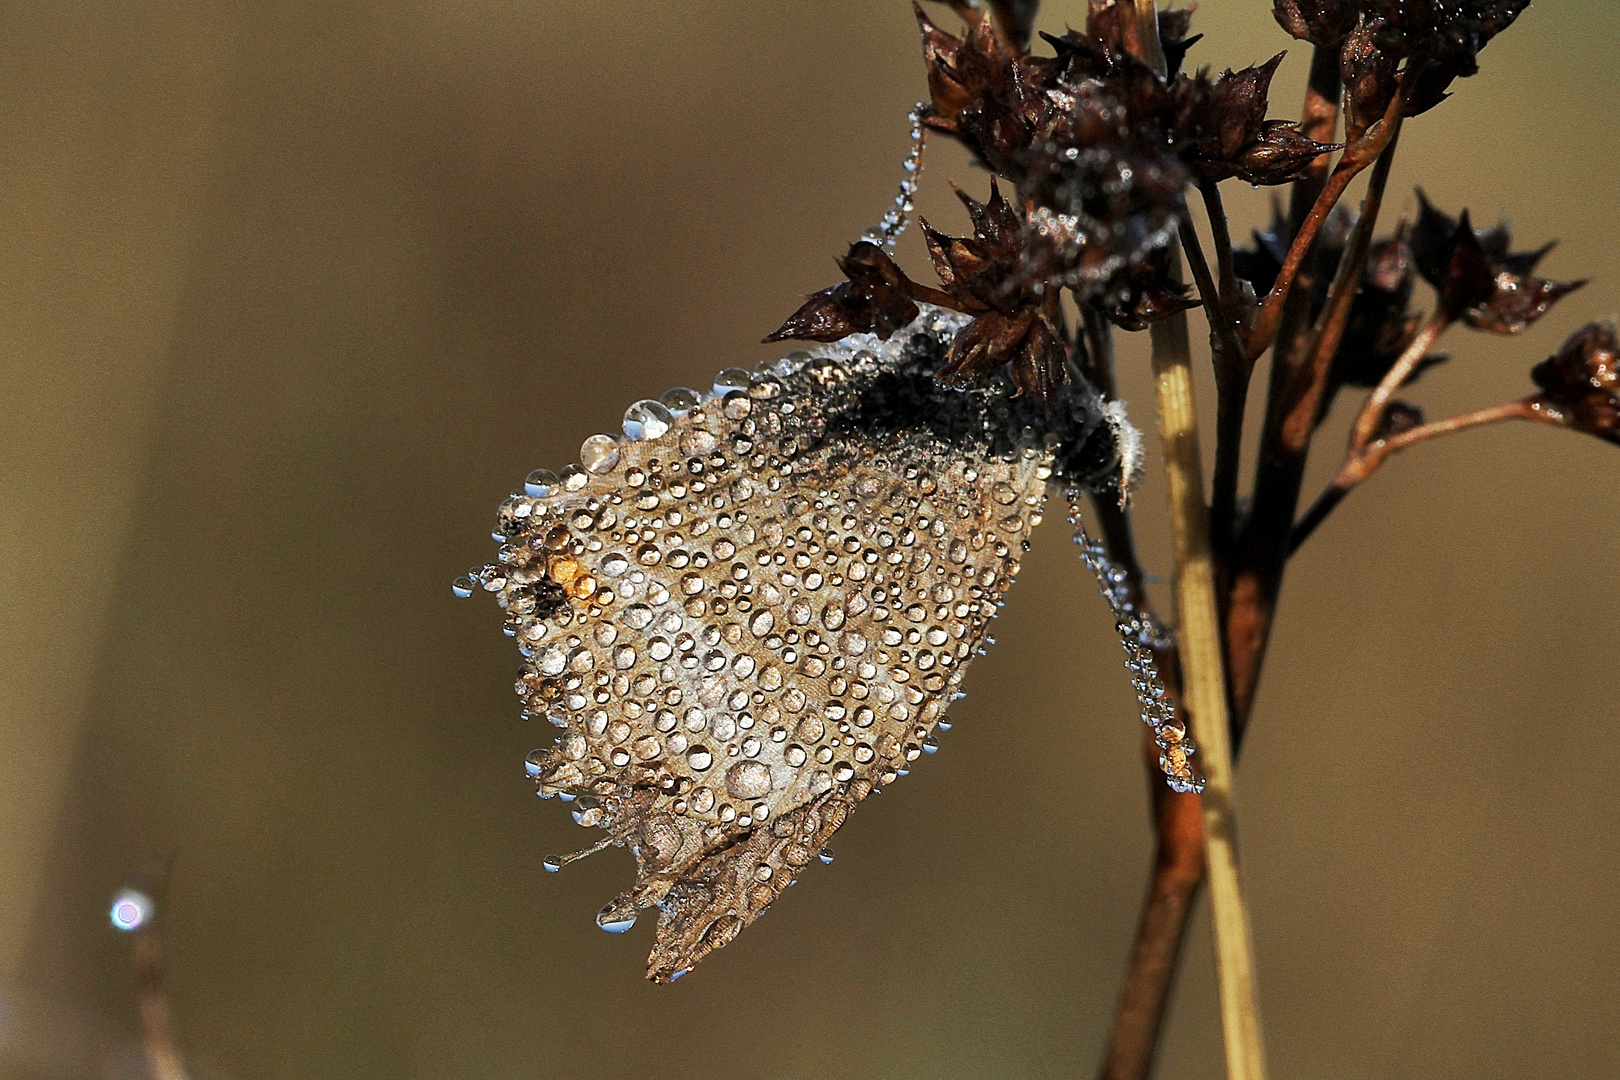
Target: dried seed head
1479 280
1580 383
787 578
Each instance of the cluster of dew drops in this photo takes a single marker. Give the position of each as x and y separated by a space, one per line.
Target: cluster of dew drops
599 455
1140 636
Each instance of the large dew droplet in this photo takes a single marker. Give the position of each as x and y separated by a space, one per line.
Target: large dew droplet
539 483
680 400
646 419
730 379
599 454
749 779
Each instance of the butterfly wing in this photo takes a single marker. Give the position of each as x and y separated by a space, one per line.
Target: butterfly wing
756 612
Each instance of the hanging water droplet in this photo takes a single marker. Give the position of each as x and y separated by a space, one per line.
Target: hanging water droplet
462 587
552 863
615 922
599 454
539 483
826 855
574 478
647 419
534 762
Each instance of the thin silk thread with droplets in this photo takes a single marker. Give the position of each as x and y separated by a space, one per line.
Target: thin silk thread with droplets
1139 637
888 231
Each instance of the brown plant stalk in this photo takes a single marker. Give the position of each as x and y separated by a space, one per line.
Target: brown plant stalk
1202 666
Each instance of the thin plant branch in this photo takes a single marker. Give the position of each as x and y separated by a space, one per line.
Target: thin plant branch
1312 379
1259 555
1221 239
1372 412
1178 859
1356 157
1199 638
1231 393
1361 463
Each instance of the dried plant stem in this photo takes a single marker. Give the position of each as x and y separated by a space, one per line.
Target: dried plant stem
1231 388
1178 871
1312 380
1178 861
1203 679
1199 639
1261 551
1372 412
1357 156
157 1033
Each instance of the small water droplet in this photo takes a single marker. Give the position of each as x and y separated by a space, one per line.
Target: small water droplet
462 587
552 863
826 855
130 910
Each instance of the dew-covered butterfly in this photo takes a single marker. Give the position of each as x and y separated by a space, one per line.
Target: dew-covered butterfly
753 609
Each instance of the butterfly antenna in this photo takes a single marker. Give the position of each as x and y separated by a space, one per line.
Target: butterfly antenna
1140 635
553 863
887 232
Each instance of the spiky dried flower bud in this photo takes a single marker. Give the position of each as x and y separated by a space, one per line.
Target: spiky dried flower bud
1581 381
1382 323
1441 39
985 94
872 301
1478 279
1012 324
1370 75
753 610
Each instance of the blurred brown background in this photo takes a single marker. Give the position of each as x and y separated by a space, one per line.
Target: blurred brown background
294 294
